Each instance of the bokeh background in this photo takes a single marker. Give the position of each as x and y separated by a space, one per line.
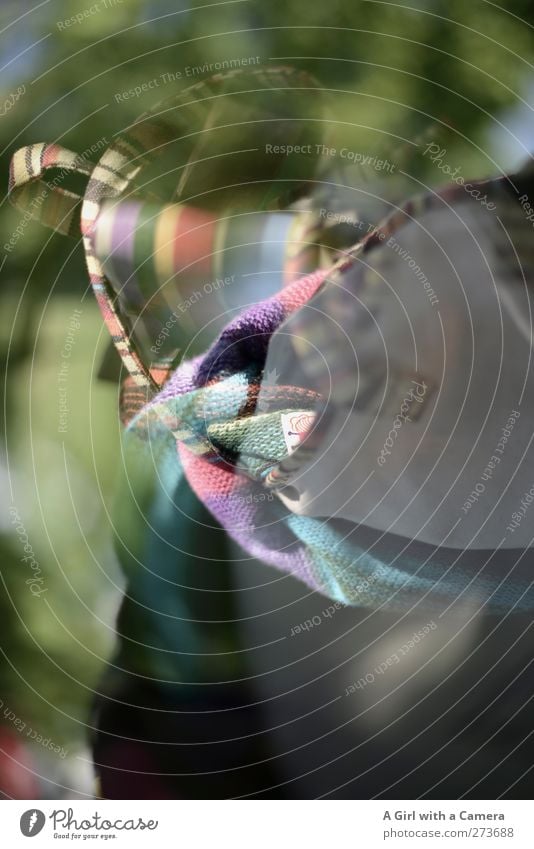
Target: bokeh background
398 75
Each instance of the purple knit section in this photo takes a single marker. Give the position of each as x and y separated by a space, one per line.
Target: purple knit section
243 342
183 380
269 539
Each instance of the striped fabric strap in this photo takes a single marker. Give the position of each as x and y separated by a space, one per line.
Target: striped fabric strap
60 209
117 173
44 199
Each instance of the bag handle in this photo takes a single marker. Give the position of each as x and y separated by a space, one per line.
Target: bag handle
64 211
44 200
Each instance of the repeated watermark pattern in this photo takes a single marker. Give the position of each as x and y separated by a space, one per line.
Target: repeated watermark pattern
252 498
527 208
189 72
366 228
361 588
37 201
403 254
64 370
184 306
36 582
480 487
437 155
80 17
30 214
30 733
519 514
11 99
64 820
413 396
392 659
354 156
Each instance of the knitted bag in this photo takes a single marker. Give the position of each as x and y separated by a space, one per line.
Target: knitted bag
217 417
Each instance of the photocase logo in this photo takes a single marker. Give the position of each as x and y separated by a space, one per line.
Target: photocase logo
32 822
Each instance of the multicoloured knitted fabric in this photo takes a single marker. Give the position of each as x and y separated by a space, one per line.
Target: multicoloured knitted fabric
204 420
175 267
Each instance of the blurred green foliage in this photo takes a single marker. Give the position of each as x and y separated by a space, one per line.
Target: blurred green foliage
396 74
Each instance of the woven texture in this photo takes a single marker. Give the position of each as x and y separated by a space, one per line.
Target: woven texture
206 422
203 419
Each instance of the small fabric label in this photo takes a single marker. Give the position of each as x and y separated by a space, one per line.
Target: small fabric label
295 427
